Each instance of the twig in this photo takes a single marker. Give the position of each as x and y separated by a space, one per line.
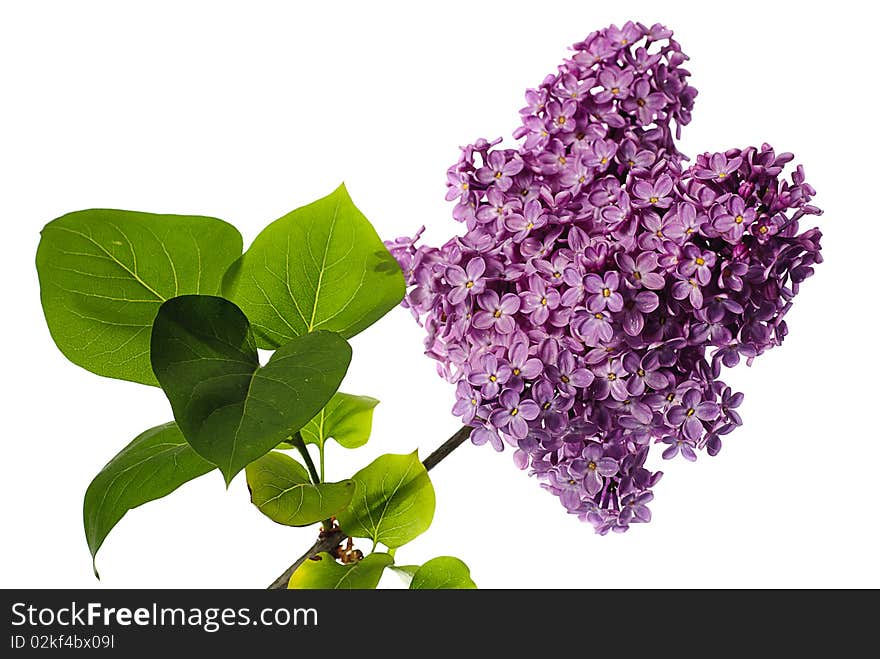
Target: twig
330 539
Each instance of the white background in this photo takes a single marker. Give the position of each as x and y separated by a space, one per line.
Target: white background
245 111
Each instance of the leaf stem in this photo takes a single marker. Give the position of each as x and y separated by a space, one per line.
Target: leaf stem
330 539
298 441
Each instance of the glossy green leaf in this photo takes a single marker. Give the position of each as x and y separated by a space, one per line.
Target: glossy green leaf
155 464
280 487
348 419
104 274
231 410
323 572
393 501
443 573
320 267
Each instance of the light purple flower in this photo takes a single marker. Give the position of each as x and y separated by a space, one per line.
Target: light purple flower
513 415
566 375
466 281
497 312
602 292
691 413
640 272
593 467
490 375
719 167
647 193
539 300
499 170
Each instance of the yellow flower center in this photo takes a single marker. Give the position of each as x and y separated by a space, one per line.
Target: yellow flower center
561 120
465 186
612 376
637 274
691 411
641 102
592 466
604 161
557 275
582 179
497 174
738 219
722 175
654 200
497 313
615 90
763 229
606 292
493 378
469 284
516 371
514 412
544 301
562 160
565 379
699 261
474 402
546 406
641 372
530 226
598 315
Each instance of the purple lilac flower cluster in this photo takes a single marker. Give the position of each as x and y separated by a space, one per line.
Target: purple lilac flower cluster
601 284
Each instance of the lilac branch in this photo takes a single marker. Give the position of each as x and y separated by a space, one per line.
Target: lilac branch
330 539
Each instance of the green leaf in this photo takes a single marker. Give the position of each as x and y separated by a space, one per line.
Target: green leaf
281 489
443 573
323 572
152 466
104 274
231 410
393 501
346 418
321 266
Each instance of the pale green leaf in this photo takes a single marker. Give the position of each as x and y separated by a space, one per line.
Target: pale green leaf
323 572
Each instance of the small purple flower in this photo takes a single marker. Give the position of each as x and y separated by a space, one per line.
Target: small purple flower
602 292
483 435
720 168
697 263
521 225
497 312
648 193
688 287
514 414
733 219
678 445
641 271
634 508
593 467
691 413
595 328
561 116
684 224
610 379
644 373
634 309
468 401
490 375
615 83
539 300
499 170
643 102
565 374
522 367
466 281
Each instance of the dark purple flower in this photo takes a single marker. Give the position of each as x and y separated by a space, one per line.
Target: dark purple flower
641 271
697 263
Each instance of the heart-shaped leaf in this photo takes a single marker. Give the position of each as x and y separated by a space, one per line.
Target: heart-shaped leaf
104 274
323 572
281 489
152 466
393 501
443 573
231 410
321 266
346 418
